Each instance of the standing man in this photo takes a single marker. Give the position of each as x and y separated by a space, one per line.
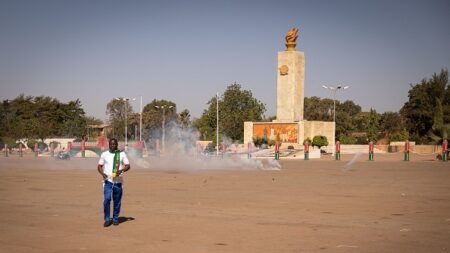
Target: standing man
112 164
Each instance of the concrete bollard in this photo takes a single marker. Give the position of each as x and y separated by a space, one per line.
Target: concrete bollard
444 150
338 151
306 149
83 149
139 147
277 150
406 151
157 148
20 150
371 151
249 150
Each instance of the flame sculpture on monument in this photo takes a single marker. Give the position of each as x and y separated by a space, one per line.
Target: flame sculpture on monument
291 39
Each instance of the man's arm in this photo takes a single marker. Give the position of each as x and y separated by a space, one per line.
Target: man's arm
126 167
100 170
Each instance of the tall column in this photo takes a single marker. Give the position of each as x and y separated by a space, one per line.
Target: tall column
290 86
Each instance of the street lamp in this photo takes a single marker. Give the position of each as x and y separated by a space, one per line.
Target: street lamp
163 107
140 122
334 90
126 123
217 124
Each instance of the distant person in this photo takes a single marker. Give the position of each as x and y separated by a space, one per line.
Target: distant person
112 164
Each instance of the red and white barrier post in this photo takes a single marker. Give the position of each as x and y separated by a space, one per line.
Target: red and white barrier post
36 150
306 150
6 150
406 156
338 151
371 151
157 148
83 148
249 149
20 150
444 150
69 148
277 150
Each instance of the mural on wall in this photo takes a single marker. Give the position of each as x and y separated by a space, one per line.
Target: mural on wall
284 132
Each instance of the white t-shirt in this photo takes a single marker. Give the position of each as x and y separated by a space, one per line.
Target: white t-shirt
107 160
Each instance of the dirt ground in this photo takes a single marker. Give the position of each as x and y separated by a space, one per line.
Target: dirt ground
387 205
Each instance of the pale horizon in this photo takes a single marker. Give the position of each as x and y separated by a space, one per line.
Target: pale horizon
186 52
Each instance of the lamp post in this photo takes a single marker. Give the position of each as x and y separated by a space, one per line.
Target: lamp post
334 90
125 100
163 107
140 122
217 124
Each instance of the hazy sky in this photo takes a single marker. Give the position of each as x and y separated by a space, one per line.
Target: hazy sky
186 51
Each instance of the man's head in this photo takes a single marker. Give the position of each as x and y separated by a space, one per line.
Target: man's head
113 144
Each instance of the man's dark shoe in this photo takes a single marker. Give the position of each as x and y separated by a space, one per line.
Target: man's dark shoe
107 223
116 223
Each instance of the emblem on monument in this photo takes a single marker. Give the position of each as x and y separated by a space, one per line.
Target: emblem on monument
284 70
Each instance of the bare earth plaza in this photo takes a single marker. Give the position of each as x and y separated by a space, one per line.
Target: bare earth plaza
321 205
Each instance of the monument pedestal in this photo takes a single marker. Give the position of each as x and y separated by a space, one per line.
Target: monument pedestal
289 132
290 86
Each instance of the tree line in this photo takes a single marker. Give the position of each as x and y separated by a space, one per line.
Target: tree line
39 118
424 118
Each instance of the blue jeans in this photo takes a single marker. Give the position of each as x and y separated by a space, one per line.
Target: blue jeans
116 190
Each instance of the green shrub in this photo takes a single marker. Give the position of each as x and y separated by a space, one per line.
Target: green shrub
320 141
271 143
41 145
290 147
30 143
362 140
258 141
8 140
401 136
343 139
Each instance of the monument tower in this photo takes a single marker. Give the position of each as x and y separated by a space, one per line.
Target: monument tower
290 81
290 126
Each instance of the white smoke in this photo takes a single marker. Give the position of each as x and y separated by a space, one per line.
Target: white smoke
353 160
181 152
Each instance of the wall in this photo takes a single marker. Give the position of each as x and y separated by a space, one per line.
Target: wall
314 128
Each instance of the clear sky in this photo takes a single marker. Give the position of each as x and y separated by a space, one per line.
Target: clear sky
186 51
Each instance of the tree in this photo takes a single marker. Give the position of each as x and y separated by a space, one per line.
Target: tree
373 126
93 121
184 118
27 117
418 110
438 118
115 110
318 109
391 122
152 118
235 107
439 131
